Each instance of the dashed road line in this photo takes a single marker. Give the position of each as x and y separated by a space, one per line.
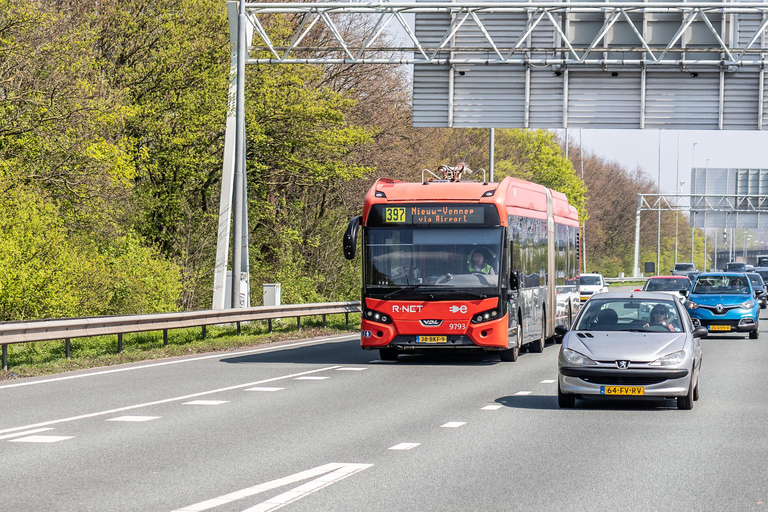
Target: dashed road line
523 393
404 446
492 407
311 378
206 402
454 424
548 381
134 419
263 388
163 401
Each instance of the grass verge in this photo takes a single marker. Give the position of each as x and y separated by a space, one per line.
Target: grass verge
49 357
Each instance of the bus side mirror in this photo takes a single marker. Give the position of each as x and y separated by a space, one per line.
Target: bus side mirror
350 237
514 280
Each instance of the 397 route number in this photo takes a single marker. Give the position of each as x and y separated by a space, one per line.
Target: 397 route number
457 327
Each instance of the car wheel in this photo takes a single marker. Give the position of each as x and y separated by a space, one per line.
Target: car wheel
388 354
511 353
538 345
565 401
753 335
686 402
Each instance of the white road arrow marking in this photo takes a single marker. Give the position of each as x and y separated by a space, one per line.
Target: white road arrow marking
324 476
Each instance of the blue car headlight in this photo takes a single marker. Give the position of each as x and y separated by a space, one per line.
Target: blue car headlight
691 305
574 357
748 305
672 359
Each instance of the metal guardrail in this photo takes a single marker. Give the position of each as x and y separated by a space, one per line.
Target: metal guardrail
624 279
66 328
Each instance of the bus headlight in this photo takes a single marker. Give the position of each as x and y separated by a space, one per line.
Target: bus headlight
485 316
375 316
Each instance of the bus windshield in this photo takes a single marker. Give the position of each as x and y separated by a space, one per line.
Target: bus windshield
438 257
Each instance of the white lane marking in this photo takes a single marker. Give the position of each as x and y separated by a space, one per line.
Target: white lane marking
332 472
27 433
308 488
264 388
164 401
348 369
40 439
346 337
548 381
523 393
134 418
404 446
493 407
206 402
454 424
311 378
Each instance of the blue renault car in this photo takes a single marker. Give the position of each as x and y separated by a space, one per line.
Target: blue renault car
724 302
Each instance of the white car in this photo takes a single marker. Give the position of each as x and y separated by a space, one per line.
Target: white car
591 284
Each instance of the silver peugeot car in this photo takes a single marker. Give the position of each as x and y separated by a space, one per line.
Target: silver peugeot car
630 345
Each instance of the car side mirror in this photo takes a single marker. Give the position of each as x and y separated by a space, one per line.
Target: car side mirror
684 292
560 330
700 332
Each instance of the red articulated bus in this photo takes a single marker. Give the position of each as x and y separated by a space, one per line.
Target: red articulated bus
465 265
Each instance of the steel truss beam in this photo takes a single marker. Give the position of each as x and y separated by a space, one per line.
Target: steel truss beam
696 203
714 19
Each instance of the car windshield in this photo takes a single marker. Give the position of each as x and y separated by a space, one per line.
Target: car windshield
721 284
629 314
415 257
755 279
590 281
684 266
667 285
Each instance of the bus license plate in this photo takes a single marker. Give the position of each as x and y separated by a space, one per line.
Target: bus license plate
431 339
622 390
719 327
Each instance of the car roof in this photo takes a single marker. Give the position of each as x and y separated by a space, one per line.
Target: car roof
707 274
590 274
667 277
635 295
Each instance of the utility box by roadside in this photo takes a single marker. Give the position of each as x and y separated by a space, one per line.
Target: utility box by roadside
245 290
272 294
650 267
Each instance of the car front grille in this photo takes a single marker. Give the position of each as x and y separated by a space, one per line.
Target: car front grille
608 380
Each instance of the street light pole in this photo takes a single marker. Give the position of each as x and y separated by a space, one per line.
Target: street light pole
677 199
658 218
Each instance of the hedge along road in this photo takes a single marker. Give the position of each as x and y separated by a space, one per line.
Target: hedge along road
323 425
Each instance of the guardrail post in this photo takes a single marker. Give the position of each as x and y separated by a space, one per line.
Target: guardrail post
204 331
238 328
298 323
165 337
346 318
119 343
324 324
67 348
269 324
5 357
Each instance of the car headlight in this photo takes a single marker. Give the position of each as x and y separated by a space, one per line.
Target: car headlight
574 357
748 305
672 359
691 305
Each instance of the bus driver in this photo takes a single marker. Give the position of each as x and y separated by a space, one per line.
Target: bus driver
477 262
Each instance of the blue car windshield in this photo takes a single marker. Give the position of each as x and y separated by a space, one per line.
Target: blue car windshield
721 285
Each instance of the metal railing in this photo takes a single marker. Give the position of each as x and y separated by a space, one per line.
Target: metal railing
66 328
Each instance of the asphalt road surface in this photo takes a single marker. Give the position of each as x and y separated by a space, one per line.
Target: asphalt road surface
321 425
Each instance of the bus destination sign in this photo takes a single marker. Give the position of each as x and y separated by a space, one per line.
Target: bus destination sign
446 214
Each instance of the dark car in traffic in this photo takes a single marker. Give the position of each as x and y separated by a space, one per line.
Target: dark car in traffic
759 286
